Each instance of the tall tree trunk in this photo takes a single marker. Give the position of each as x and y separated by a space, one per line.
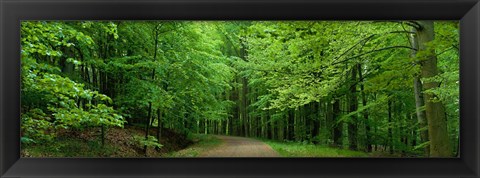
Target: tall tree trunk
329 123
159 125
285 127
390 125
435 112
235 114
244 107
94 78
421 115
147 126
103 88
66 66
352 125
315 121
291 125
149 117
419 101
269 128
368 142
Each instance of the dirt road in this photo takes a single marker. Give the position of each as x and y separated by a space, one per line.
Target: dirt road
240 147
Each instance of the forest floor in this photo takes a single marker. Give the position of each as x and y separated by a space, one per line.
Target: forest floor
119 142
231 146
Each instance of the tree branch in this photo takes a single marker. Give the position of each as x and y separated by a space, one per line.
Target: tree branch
365 40
377 50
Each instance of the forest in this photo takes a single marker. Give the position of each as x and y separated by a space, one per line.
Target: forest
297 88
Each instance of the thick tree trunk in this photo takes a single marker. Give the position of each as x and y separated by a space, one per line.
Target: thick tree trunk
435 112
421 115
419 101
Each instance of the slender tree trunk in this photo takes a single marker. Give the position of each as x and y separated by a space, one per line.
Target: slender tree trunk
352 125
159 125
329 123
244 107
435 112
338 127
269 128
103 134
147 126
94 78
272 129
228 130
285 126
291 120
149 117
368 142
295 124
315 121
66 66
103 88
390 134
206 126
236 116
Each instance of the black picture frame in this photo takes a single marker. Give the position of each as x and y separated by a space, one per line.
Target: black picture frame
14 11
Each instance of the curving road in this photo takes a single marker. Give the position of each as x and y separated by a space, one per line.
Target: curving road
240 147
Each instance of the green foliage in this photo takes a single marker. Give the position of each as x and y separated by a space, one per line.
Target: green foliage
36 125
422 145
50 98
99 115
26 140
151 141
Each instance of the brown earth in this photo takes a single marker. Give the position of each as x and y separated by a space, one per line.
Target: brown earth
122 139
240 147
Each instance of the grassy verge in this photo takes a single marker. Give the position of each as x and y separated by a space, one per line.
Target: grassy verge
201 144
294 149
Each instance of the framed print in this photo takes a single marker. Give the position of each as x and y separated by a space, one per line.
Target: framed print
310 88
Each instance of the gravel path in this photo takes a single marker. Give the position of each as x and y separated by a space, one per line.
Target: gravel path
240 147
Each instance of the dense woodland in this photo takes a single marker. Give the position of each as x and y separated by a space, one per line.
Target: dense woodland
372 86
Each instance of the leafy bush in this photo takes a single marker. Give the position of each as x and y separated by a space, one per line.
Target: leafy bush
151 141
